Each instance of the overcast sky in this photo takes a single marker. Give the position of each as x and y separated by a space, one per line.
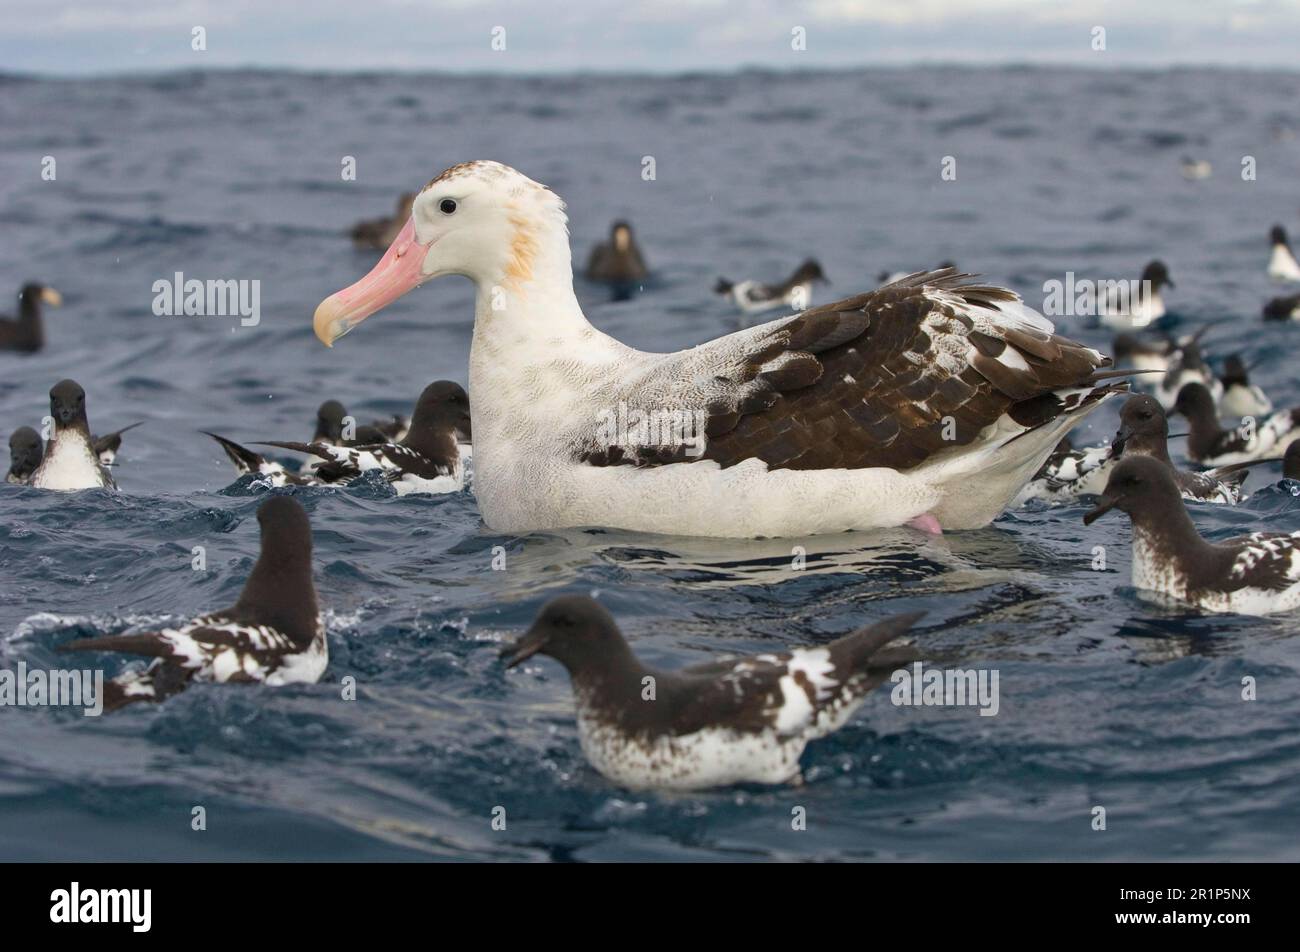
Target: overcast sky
108 36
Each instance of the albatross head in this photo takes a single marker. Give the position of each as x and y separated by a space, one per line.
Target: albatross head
483 220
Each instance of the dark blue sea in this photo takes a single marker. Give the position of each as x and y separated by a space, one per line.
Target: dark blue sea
1106 698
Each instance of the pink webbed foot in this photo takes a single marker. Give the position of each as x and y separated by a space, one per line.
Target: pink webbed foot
926 523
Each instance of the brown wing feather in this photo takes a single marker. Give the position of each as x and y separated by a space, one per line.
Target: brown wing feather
880 402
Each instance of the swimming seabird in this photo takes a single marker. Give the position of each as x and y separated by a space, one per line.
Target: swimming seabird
1144 431
1132 351
70 460
930 401
736 720
1209 444
272 635
754 297
26 448
1283 309
248 461
1069 472
1291 461
1123 312
26 333
1241 398
107 447
426 461
618 262
1282 265
1186 365
380 232
1256 574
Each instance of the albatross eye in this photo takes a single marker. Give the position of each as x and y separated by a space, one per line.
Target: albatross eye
447 206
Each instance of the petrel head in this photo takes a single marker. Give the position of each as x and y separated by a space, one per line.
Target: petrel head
1291 461
810 270
1134 485
33 294
572 629
483 220
1141 420
1157 274
329 422
1195 402
1277 235
25 452
443 406
67 404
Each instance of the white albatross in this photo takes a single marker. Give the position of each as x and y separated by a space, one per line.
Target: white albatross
929 402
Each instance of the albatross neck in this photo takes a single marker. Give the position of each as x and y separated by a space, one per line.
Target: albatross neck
526 311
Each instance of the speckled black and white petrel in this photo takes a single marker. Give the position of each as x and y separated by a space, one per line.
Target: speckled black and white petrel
1122 311
1282 265
426 461
25 333
1258 574
273 635
1241 398
107 447
738 720
26 448
1144 431
269 471
1187 366
1210 444
70 460
754 297
1070 472
1283 309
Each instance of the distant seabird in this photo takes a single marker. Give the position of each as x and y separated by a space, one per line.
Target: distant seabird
1144 431
25 333
931 401
273 635
1143 308
1240 397
754 297
1257 574
380 232
1282 265
426 461
70 460
735 720
25 451
1209 444
618 261
1283 309
107 447
1187 365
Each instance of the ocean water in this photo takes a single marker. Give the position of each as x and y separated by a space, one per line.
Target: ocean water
1106 698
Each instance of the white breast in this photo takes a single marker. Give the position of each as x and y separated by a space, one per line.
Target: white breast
70 463
1282 265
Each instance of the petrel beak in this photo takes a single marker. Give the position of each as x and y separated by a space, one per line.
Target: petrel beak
1106 505
398 271
1121 437
51 297
532 642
